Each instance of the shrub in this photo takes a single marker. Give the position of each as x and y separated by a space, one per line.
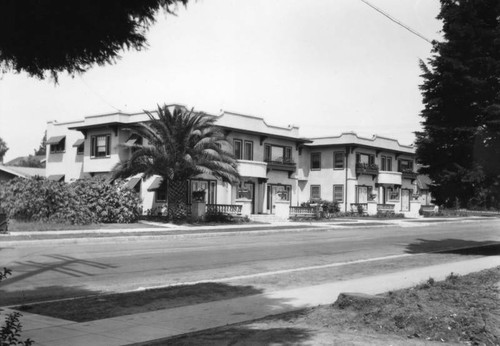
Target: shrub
10 331
82 202
218 217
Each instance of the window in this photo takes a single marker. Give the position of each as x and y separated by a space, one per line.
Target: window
238 150
392 193
338 160
386 163
161 195
315 192
288 154
58 147
100 146
267 152
315 161
405 165
80 149
248 150
365 158
338 193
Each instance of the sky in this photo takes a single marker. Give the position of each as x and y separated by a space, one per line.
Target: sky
327 66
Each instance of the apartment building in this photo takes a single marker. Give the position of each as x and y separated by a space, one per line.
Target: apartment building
278 167
352 170
267 157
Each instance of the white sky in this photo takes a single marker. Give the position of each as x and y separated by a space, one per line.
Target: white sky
328 66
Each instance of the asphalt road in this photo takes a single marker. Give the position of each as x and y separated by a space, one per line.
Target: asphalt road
266 261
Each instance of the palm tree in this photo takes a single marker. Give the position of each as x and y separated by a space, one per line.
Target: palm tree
177 146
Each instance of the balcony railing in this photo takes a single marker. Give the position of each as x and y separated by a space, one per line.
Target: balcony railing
281 164
232 209
366 168
408 173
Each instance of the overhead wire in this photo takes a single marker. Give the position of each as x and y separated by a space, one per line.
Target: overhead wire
385 14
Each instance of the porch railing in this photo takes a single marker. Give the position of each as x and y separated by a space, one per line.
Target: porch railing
385 208
232 209
302 211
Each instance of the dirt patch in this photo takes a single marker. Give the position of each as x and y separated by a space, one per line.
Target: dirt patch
120 304
460 310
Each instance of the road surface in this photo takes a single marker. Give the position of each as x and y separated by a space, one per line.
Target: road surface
265 261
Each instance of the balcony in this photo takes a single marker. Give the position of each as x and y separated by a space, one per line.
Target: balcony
389 178
367 169
255 169
409 174
282 164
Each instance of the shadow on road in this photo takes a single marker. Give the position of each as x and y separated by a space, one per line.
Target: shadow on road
242 335
455 246
67 265
95 307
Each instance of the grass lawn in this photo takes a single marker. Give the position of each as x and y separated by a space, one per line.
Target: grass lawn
460 310
20 226
120 304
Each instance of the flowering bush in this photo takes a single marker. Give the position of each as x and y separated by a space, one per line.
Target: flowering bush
82 202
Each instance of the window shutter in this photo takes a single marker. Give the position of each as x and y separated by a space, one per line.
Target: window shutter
92 146
108 140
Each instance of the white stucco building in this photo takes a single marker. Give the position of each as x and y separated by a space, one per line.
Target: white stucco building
278 167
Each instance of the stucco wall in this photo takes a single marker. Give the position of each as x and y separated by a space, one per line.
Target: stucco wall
68 162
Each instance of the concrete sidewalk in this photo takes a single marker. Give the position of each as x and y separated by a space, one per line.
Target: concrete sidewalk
181 231
165 323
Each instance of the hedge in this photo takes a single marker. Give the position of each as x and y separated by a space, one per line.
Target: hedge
82 202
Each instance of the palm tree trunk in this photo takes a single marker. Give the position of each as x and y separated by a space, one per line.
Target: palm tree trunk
177 199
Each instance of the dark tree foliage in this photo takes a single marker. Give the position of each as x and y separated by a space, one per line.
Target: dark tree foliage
460 142
3 149
42 149
59 35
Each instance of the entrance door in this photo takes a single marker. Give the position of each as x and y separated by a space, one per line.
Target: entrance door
247 190
362 196
277 193
405 200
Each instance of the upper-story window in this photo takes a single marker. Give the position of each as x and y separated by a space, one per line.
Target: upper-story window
100 146
338 160
386 163
57 144
315 161
80 146
238 149
80 149
288 154
365 158
134 139
277 153
405 165
248 153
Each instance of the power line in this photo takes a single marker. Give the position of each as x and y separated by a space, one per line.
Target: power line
397 22
98 95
